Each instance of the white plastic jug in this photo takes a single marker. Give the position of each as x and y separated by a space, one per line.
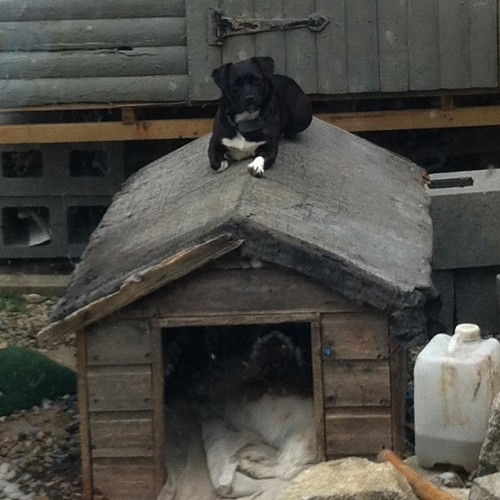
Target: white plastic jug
456 379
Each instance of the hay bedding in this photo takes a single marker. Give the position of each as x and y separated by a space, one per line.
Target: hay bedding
251 452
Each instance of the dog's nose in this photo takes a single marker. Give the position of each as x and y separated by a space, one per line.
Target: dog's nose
250 100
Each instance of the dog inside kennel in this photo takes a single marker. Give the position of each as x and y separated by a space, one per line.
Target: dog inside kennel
239 411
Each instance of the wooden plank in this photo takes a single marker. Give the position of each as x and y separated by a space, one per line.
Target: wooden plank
19 93
240 47
454 44
484 43
158 407
319 408
192 128
301 47
215 319
105 384
49 10
104 131
83 405
423 44
392 18
362 46
124 479
93 34
332 49
245 291
355 336
357 433
142 284
202 58
356 383
126 434
398 367
118 343
271 44
96 63
413 119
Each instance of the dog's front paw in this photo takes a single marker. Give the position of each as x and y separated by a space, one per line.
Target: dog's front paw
256 167
220 167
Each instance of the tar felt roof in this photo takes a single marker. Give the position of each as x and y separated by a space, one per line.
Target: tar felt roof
334 206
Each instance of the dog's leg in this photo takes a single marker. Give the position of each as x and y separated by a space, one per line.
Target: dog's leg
217 153
265 156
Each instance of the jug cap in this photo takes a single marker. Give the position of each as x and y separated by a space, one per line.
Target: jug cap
468 332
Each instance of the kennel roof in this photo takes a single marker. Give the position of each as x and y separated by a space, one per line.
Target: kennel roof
334 207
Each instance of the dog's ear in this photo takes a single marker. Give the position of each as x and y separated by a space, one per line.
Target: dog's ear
219 75
266 65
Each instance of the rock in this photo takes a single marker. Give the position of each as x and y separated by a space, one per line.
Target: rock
33 298
349 479
486 488
449 479
489 456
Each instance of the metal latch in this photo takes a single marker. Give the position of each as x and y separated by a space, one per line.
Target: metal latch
221 26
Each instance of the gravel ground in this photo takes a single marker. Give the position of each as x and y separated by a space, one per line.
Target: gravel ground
39 446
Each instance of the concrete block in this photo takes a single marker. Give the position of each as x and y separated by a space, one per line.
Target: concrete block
69 221
464 211
475 298
61 169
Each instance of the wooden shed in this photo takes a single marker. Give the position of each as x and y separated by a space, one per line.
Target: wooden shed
336 238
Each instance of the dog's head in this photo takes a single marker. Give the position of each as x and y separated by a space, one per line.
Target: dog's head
245 85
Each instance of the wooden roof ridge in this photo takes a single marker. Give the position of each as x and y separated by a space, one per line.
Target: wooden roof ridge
141 284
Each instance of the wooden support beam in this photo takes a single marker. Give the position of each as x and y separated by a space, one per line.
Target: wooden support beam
435 118
141 284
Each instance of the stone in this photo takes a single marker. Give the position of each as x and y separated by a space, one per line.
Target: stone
486 488
489 456
349 479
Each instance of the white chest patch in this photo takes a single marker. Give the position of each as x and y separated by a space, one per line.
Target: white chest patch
239 148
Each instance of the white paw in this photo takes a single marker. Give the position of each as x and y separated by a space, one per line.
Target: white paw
256 167
223 166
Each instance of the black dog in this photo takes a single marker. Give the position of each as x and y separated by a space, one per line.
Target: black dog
257 107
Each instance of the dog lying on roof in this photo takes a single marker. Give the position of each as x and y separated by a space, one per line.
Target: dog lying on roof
257 107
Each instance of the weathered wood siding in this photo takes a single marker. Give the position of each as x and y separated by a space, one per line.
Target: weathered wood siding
121 410
368 47
356 384
54 52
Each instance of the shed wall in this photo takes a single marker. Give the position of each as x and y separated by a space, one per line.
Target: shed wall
84 52
54 52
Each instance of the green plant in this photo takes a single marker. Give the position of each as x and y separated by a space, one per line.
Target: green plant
11 303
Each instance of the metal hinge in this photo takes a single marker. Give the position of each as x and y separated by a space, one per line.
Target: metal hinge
221 26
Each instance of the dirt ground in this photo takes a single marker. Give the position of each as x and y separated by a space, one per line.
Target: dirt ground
40 445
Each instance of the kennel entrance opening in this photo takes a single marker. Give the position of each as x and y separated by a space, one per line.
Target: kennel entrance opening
214 361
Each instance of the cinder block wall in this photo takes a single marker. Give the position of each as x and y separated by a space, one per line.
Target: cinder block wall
465 212
57 189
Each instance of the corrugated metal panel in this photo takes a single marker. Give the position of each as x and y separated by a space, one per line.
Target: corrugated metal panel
67 51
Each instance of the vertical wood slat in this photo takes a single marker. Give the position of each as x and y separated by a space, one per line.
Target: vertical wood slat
484 44
398 370
454 44
239 47
83 403
362 46
332 49
393 45
202 58
423 44
271 43
157 377
301 61
319 408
